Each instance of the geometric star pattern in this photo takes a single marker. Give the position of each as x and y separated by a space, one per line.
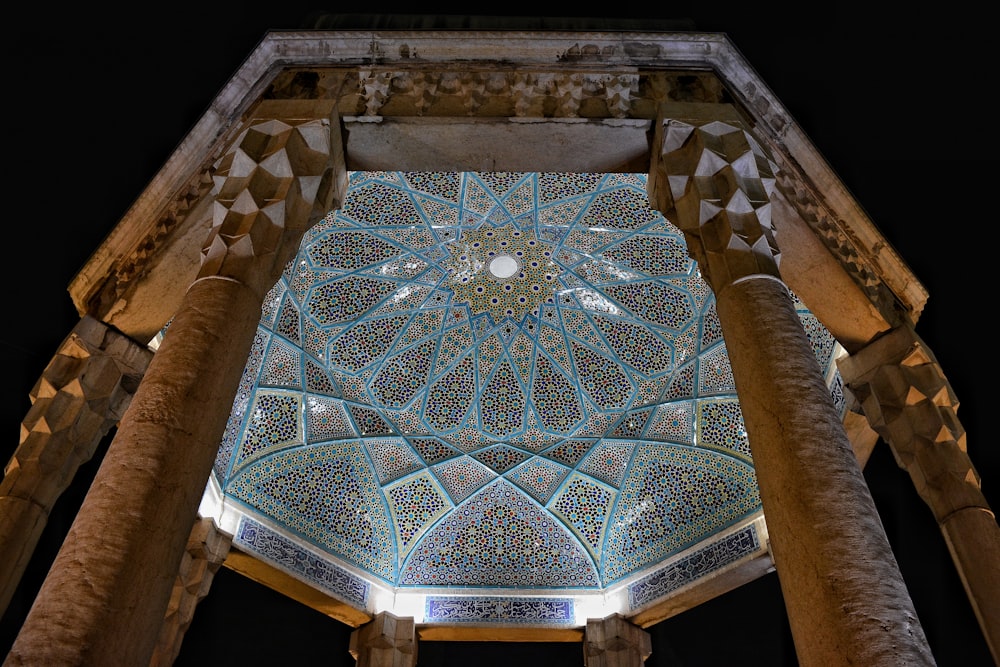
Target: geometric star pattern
517 379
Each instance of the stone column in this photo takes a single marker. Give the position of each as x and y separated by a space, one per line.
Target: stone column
207 548
105 597
614 642
846 600
908 402
385 641
81 394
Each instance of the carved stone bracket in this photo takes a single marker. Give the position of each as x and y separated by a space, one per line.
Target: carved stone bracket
909 402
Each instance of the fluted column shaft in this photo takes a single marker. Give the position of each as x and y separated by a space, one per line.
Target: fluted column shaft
80 396
910 404
104 600
846 600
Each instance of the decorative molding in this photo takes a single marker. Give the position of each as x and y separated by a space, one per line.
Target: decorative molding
745 542
506 610
504 75
839 240
488 93
296 561
146 247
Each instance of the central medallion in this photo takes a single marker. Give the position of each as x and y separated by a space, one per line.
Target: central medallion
504 266
503 271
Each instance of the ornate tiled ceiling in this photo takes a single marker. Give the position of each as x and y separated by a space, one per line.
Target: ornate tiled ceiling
496 381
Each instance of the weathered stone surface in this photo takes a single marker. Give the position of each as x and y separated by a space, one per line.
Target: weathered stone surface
386 641
614 642
82 393
121 557
847 602
909 402
713 180
207 548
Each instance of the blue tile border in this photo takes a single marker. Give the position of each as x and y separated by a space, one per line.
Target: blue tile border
715 556
285 554
499 610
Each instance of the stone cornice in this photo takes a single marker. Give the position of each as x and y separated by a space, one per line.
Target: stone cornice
500 75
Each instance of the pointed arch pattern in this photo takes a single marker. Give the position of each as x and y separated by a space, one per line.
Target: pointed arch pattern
494 380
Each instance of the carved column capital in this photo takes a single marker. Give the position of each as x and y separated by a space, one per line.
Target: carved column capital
276 181
911 405
385 641
80 396
614 642
284 172
207 548
712 179
909 402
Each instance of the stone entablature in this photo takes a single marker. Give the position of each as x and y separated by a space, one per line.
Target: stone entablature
496 93
585 81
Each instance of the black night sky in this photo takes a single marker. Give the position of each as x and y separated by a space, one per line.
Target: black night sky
96 100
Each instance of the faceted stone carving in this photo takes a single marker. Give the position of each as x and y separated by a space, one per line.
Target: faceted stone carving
618 90
81 394
277 180
714 181
631 95
533 94
386 641
528 100
424 89
614 642
374 87
910 403
569 94
277 174
206 550
473 90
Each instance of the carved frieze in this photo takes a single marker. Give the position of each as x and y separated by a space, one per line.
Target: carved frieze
499 77
496 92
837 238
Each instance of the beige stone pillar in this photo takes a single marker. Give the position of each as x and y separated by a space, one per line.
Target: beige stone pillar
81 394
105 597
846 600
207 548
385 641
909 402
614 642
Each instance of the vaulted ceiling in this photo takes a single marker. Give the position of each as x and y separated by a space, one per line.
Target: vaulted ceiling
494 380
494 374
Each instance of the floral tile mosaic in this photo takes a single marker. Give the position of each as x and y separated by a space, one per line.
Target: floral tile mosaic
496 381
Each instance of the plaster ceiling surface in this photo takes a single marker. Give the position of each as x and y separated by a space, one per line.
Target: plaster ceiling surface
490 381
